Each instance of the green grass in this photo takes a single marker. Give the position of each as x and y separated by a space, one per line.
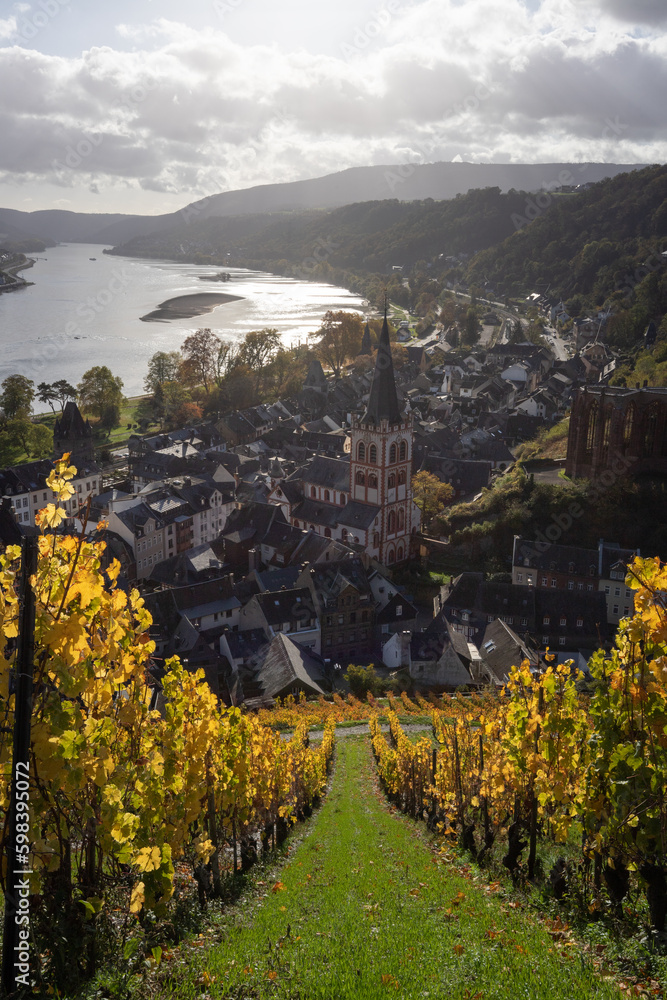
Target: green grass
365 909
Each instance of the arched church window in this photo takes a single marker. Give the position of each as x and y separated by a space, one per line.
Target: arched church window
402 451
361 452
360 478
392 454
401 520
372 454
391 481
372 481
399 554
401 478
391 522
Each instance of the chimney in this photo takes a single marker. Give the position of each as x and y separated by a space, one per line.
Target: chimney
645 383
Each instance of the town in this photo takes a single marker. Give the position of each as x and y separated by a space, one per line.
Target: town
277 545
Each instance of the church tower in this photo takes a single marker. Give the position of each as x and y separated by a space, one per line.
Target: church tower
381 463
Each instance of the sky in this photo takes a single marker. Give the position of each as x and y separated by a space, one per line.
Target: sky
142 106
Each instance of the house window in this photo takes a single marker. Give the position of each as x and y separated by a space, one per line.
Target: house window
553 581
617 591
519 578
544 581
489 619
607 589
616 609
570 584
563 620
385 629
580 586
524 621
626 609
589 586
399 610
341 619
561 640
545 640
591 570
546 620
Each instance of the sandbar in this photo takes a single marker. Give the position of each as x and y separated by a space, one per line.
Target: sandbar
186 306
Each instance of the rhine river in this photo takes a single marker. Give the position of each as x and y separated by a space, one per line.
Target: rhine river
81 312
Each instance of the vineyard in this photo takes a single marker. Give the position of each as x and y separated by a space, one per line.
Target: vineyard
142 799
544 762
133 777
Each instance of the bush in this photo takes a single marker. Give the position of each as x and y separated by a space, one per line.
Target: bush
363 679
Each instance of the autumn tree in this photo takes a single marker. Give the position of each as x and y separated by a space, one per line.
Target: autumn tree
430 494
17 395
200 352
100 393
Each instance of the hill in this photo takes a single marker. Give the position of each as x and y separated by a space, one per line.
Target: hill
588 247
408 182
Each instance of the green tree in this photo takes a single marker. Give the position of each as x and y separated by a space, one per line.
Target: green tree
36 440
200 351
340 338
430 495
257 349
47 394
17 395
100 393
162 367
470 334
64 390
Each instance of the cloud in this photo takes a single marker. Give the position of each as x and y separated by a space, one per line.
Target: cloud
7 27
194 112
653 12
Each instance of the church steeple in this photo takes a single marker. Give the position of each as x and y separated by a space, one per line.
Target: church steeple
383 400
366 343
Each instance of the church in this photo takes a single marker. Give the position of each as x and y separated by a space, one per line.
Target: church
366 502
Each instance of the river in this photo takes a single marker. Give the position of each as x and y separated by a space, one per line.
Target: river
81 312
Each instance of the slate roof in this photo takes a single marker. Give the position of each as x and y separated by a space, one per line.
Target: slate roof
383 401
286 605
501 649
286 663
318 512
331 473
358 515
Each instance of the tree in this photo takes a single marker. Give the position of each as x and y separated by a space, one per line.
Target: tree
36 440
47 394
430 495
200 351
100 393
18 393
257 349
517 334
470 334
64 390
340 338
162 367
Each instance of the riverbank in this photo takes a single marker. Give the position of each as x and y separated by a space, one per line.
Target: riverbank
187 306
11 272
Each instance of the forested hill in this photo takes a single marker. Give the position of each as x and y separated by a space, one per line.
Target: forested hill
587 246
369 236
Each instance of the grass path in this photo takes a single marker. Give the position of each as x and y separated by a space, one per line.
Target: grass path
362 910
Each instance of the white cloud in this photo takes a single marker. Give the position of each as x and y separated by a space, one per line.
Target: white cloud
196 112
7 27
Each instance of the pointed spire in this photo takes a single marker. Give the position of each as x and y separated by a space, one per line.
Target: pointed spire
383 401
366 342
